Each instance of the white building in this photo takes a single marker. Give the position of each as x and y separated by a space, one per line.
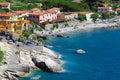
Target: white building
104 9
71 15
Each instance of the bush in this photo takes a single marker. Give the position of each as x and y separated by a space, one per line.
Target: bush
34 37
40 40
22 39
52 28
94 16
1 56
81 17
55 26
26 33
66 24
44 23
17 52
39 28
105 15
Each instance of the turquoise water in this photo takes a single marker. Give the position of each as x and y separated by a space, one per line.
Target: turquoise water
100 62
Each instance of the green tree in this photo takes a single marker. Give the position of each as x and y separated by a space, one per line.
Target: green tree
19 6
81 17
94 16
105 15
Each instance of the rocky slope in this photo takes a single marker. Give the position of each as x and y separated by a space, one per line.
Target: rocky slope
30 57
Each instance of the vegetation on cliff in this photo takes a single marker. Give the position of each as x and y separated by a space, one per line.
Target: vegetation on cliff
1 56
65 5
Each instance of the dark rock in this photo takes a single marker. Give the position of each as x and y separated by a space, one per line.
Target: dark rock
60 35
41 65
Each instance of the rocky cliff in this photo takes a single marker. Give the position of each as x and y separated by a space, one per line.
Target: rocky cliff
29 57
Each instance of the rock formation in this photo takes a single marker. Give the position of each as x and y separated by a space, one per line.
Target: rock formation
15 64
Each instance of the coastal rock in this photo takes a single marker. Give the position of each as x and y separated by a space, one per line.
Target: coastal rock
46 63
28 59
41 65
60 35
49 52
80 51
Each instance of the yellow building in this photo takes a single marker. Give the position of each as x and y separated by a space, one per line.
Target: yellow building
11 22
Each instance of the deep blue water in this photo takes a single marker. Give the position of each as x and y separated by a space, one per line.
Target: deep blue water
100 62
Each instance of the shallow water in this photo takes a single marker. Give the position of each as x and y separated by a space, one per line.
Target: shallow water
100 62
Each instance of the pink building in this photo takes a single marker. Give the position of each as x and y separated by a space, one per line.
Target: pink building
45 15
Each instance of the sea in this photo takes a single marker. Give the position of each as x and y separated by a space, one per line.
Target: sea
100 62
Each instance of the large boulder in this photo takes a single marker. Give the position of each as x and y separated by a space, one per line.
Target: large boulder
46 63
80 51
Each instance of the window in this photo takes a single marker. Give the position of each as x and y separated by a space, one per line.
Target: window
37 16
33 16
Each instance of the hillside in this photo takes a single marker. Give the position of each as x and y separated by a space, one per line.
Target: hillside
65 5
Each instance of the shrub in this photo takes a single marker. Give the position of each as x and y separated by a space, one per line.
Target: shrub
39 28
1 56
105 15
17 52
26 33
34 37
22 39
94 16
40 40
81 17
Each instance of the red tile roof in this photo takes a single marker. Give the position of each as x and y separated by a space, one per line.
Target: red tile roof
6 14
106 7
52 10
20 11
34 9
1 26
4 3
118 9
83 12
36 13
44 11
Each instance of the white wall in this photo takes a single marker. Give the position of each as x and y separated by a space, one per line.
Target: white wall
88 16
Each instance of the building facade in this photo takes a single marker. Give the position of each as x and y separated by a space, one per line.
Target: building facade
11 22
104 9
45 15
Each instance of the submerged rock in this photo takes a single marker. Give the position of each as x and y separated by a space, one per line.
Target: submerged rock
36 77
80 51
60 35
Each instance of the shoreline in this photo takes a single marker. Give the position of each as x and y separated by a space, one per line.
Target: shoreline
52 54
87 26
